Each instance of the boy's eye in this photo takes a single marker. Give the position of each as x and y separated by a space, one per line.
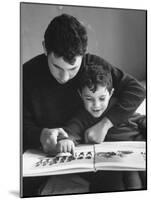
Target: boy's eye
89 99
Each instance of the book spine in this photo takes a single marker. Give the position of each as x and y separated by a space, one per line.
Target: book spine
94 159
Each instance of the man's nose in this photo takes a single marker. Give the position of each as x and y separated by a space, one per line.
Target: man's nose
65 77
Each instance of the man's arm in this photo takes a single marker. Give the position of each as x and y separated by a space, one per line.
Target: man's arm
130 94
31 132
128 91
34 135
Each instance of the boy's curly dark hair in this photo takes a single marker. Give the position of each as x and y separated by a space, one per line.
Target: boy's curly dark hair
66 37
94 75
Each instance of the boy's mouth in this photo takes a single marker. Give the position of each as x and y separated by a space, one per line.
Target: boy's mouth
96 110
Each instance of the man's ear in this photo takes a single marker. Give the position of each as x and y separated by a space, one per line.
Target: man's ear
44 48
79 93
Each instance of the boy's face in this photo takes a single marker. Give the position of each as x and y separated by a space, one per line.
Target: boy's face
61 70
97 102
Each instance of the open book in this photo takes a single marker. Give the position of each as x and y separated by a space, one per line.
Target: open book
105 156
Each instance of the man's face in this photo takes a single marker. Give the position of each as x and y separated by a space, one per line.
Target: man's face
61 70
97 102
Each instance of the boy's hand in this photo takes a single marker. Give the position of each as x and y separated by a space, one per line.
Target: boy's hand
49 138
97 133
65 145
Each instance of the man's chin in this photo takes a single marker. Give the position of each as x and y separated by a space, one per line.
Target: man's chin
61 82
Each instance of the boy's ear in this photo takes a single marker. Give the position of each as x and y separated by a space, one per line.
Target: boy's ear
44 48
112 91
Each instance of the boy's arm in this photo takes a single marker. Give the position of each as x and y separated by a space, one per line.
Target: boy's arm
98 132
65 145
77 125
80 129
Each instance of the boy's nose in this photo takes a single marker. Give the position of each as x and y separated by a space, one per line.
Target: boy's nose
96 104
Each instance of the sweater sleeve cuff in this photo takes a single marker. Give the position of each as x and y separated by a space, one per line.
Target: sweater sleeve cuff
72 134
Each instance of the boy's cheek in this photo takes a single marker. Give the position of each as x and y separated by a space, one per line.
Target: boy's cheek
86 106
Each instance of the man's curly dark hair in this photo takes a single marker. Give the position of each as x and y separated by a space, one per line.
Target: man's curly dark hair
66 37
94 75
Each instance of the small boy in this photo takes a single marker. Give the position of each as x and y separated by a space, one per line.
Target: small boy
97 94
95 90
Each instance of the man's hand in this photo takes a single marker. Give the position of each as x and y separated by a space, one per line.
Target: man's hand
97 133
65 145
49 139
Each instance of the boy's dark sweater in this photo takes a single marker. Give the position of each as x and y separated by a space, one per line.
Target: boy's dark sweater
48 104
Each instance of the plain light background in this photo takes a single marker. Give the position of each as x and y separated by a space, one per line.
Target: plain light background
10 94
118 35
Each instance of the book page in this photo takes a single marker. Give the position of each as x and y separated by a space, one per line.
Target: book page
38 164
120 156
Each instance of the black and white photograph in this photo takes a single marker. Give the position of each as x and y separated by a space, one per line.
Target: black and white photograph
83 98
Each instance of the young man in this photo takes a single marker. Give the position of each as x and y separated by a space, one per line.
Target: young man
49 87
50 82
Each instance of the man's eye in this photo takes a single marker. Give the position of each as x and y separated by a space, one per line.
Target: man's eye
102 99
73 69
57 67
89 99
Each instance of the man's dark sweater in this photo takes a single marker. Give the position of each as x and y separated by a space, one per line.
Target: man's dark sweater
48 104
